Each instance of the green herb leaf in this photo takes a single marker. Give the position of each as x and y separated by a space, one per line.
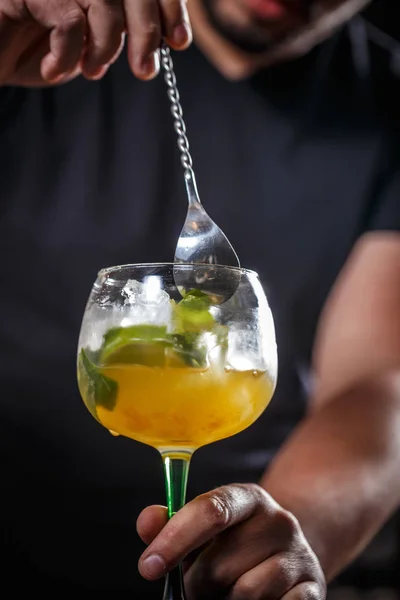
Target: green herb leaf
192 313
99 389
194 293
221 334
188 347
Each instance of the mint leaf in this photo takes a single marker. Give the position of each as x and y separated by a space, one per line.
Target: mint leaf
221 334
100 390
192 313
187 346
194 293
196 300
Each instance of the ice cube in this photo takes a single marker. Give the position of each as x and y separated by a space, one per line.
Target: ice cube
146 303
148 292
250 349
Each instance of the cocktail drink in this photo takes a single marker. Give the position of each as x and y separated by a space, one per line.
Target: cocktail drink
176 369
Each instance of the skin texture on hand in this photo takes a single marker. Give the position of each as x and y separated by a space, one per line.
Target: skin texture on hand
240 544
51 42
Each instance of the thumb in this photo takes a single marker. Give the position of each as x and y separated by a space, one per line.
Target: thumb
150 522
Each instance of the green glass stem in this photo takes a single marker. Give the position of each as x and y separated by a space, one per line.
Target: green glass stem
176 470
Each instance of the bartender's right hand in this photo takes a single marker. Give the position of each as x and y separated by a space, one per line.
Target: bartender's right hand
44 42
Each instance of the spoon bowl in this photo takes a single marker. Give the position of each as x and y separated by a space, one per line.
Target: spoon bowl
202 241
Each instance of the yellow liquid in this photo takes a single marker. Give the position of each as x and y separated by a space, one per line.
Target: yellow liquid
169 407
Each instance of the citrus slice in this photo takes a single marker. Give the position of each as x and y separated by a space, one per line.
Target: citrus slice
136 344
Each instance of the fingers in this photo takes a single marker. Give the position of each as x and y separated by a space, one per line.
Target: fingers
143 23
270 580
86 31
307 590
10 43
250 589
274 578
68 22
106 25
147 22
175 23
240 549
197 523
7 32
150 522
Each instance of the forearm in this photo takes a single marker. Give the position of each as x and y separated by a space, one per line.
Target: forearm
339 474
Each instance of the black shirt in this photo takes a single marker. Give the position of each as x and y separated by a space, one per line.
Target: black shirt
294 165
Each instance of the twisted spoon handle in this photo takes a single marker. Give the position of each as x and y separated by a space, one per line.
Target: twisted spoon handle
179 124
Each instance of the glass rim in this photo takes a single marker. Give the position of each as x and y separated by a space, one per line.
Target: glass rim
127 266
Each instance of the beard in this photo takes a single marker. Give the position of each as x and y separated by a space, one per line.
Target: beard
255 39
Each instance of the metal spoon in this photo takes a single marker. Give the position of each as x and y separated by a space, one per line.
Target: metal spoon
201 240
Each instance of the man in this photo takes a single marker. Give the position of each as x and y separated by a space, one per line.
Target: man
293 119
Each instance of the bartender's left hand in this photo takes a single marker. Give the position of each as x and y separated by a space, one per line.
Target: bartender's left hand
238 544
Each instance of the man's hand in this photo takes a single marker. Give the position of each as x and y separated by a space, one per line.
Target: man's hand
239 545
52 41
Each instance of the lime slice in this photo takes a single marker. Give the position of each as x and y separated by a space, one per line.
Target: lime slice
153 346
137 345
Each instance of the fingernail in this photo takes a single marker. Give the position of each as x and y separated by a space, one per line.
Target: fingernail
57 78
99 74
181 34
153 567
150 66
90 68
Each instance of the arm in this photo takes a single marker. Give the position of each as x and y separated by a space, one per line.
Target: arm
339 474
335 481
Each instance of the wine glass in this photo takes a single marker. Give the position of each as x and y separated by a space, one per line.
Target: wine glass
176 370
